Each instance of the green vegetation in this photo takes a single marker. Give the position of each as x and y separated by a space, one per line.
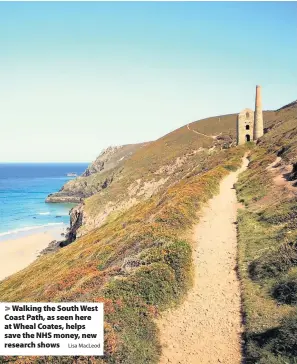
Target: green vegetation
151 168
267 238
145 164
138 263
285 291
138 260
276 346
275 262
265 257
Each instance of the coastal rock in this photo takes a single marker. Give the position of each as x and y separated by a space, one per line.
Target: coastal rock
57 198
76 220
98 176
51 248
107 159
293 175
130 264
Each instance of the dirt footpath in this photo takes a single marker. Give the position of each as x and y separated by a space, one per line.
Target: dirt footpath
206 328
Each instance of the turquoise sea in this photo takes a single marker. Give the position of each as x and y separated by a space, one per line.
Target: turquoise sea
23 190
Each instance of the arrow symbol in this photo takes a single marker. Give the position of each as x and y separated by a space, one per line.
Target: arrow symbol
7 308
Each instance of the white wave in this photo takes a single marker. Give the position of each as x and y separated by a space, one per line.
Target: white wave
44 213
28 228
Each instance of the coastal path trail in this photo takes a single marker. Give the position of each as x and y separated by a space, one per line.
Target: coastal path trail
197 132
206 328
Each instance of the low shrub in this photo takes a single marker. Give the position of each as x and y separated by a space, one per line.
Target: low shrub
285 341
230 167
163 279
278 345
178 256
286 291
136 333
273 263
282 213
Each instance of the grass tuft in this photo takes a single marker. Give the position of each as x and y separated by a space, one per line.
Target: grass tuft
273 263
285 291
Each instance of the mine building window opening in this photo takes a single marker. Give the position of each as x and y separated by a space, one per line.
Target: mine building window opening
247 114
247 127
248 138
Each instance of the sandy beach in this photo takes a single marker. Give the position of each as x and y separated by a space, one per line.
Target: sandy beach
16 254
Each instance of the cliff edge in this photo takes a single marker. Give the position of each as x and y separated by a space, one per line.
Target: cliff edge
99 175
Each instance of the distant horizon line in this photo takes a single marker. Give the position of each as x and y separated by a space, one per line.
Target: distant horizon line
45 162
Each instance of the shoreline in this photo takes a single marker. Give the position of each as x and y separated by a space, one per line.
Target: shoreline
17 252
56 228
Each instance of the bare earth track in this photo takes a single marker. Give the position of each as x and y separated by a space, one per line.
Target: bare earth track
206 328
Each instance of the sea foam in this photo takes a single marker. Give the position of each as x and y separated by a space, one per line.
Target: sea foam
28 228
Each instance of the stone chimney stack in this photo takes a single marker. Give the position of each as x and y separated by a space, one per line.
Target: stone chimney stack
258 121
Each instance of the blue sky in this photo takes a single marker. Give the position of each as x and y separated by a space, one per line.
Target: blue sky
77 77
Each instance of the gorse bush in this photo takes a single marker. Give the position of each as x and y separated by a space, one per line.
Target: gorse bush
277 345
177 255
285 291
155 284
273 263
285 341
282 213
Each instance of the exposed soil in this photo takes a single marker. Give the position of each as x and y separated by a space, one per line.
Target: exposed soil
281 173
197 132
207 327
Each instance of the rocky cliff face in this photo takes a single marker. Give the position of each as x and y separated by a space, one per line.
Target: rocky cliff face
76 220
99 175
109 158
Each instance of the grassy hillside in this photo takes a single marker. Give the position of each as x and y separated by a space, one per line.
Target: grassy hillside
139 260
133 173
157 166
268 243
135 253
137 264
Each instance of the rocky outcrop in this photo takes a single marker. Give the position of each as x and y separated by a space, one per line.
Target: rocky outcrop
98 176
110 158
106 160
82 187
293 175
59 197
76 220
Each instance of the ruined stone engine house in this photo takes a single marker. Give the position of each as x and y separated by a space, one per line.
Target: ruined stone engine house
249 123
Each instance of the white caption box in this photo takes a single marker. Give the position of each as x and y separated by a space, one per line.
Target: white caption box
51 329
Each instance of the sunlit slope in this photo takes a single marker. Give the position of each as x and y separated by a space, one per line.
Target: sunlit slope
137 263
156 166
267 232
137 260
